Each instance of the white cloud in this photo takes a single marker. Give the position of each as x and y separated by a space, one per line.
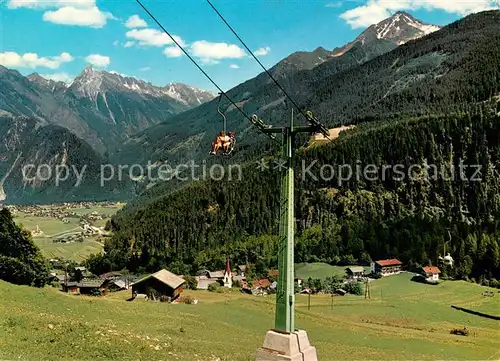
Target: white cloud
335 4
64 77
32 60
375 11
135 22
66 12
152 37
116 42
146 68
262 51
98 60
173 52
234 66
121 74
208 61
45 4
210 53
69 15
129 44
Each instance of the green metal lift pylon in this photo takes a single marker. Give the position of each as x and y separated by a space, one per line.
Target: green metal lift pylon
284 342
285 293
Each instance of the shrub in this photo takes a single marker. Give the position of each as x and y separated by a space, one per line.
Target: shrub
494 283
191 283
354 288
96 292
214 287
188 300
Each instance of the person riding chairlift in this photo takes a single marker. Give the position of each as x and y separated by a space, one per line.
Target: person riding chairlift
223 141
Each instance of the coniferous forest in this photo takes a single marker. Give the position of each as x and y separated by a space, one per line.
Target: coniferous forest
21 262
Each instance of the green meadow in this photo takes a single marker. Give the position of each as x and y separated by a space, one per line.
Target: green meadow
320 270
403 320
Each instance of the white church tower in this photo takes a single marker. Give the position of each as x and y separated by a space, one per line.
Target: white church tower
228 278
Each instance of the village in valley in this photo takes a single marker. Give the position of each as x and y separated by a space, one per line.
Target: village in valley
71 275
67 230
166 286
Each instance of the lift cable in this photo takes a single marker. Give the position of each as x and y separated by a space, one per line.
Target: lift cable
196 64
308 115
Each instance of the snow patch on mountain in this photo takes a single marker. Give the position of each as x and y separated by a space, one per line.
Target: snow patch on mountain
402 27
91 82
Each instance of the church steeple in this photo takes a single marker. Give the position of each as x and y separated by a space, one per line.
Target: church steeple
228 278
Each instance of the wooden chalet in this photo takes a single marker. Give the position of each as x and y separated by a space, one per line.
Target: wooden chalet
355 272
84 287
165 283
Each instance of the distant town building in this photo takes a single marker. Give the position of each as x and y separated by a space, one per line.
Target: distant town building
163 282
386 267
431 273
355 272
38 232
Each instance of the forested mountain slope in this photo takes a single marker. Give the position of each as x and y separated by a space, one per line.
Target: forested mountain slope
380 216
31 156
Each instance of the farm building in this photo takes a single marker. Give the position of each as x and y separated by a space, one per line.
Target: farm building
162 283
70 287
111 275
240 270
204 282
262 284
113 285
274 274
431 273
84 287
355 272
386 267
340 292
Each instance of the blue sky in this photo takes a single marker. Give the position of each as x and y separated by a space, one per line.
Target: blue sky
58 38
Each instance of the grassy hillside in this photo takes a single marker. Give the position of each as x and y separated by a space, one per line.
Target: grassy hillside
320 270
412 321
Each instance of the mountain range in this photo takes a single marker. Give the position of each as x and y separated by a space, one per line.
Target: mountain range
102 108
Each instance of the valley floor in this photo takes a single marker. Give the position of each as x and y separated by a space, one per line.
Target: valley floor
403 320
53 227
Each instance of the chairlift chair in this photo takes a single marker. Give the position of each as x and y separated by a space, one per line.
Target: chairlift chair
232 136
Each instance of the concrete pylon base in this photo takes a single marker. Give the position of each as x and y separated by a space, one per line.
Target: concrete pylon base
293 346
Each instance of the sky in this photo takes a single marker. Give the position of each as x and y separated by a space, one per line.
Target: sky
58 38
